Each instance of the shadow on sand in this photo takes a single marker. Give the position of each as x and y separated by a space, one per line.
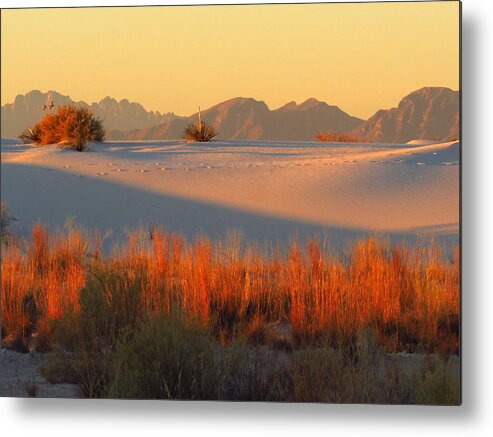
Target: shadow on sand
51 196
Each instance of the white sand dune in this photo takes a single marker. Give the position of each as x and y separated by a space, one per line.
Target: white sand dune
268 189
423 142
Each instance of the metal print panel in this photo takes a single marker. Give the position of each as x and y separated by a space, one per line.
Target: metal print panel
237 202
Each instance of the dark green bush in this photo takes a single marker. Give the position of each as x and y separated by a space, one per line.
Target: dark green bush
168 358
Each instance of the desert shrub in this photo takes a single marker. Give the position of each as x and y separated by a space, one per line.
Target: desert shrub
168 358
71 127
336 137
5 220
31 135
256 373
203 131
78 127
109 305
440 384
364 373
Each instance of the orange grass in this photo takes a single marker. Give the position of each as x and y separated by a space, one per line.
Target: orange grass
337 137
409 295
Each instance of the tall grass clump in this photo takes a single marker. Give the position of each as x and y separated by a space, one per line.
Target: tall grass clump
41 281
71 127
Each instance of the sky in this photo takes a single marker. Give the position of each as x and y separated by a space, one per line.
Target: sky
360 57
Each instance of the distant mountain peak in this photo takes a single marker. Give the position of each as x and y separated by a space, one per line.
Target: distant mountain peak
27 109
427 113
310 103
290 106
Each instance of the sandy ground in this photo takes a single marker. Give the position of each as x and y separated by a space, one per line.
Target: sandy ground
19 377
269 190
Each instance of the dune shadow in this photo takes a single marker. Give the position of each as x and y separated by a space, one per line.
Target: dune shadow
35 194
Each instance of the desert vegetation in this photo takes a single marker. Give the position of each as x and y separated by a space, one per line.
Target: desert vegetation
337 137
201 131
166 318
5 220
69 127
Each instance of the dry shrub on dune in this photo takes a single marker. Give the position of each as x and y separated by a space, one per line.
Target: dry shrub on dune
70 127
336 137
31 135
202 131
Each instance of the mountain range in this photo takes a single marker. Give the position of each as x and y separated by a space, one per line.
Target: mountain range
27 109
428 113
249 119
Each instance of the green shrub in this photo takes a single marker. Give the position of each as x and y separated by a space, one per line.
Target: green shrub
440 384
109 305
168 358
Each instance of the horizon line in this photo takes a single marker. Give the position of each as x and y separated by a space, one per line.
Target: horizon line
223 101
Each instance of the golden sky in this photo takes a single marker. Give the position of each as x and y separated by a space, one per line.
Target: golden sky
360 57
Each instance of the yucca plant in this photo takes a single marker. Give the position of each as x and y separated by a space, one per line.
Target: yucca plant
31 135
202 131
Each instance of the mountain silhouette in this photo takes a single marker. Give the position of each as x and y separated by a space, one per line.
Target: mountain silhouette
28 109
249 119
428 113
